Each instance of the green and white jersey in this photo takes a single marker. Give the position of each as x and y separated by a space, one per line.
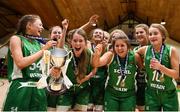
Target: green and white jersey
115 77
157 80
71 69
33 71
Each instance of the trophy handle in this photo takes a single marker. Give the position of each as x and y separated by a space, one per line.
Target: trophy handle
69 55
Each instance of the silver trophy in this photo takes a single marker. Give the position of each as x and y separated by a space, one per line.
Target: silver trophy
58 59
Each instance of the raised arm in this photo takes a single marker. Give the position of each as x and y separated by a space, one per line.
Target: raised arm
61 41
92 21
98 60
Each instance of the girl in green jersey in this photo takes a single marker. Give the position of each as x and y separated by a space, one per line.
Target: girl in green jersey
141 34
120 90
79 71
58 34
162 67
24 69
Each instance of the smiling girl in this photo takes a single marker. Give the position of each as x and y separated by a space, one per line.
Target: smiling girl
120 90
161 64
24 69
79 72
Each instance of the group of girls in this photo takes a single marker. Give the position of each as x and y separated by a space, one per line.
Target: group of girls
105 72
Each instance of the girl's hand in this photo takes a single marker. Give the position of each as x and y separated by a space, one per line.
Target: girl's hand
55 72
49 44
98 49
155 64
65 24
86 78
93 20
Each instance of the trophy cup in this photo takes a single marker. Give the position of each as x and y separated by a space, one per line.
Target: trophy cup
58 58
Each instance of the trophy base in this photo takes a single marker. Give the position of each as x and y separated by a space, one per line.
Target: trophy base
57 91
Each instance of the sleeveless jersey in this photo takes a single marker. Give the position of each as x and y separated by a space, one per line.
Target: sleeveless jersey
115 75
158 80
33 71
70 70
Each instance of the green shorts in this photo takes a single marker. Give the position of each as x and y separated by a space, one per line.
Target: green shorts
156 100
114 103
76 95
24 96
97 91
52 100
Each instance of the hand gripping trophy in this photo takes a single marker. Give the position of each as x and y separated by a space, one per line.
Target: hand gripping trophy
57 58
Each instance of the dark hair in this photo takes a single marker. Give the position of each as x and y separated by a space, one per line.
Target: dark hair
23 21
162 29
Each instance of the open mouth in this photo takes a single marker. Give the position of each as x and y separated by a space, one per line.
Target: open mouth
77 49
97 37
40 31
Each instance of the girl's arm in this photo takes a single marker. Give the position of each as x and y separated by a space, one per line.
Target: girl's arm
139 61
61 41
87 77
92 20
17 55
174 71
98 60
141 50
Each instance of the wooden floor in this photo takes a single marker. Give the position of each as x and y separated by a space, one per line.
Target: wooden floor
4 85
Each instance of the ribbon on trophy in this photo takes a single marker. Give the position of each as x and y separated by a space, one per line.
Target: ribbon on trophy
45 66
67 82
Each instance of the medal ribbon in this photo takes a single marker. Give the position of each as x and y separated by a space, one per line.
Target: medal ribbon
75 65
161 54
122 70
38 38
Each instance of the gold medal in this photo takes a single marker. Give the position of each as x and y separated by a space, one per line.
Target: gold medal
122 84
161 78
